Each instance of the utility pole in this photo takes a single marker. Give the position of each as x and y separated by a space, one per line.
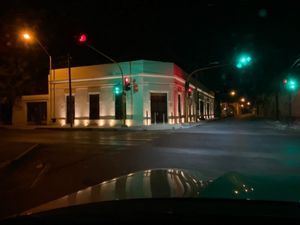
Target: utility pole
277 105
70 105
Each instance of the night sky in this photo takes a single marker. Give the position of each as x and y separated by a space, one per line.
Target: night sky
189 33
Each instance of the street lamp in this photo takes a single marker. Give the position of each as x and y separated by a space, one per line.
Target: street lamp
243 99
248 103
243 60
28 37
187 84
232 93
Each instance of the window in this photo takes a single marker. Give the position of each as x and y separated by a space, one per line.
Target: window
179 106
118 107
94 106
70 109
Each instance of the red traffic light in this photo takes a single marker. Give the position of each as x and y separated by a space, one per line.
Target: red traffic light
82 38
190 91
126 80
127 84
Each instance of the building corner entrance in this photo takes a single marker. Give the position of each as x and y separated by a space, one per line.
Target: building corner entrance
159 112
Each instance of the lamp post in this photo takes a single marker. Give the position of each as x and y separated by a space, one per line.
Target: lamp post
28 37
187 83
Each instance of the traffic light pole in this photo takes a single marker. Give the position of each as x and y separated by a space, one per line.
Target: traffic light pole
123 84
290 107
70 93
187 83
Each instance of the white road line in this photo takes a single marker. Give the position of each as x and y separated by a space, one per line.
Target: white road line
234 132
217 152
40 175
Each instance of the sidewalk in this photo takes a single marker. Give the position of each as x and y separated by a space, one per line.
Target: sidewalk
284 125
116 128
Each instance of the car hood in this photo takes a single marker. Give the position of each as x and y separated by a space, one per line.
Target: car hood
180 183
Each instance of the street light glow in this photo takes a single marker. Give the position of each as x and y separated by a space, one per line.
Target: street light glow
26 36
248 103
243 100
232 93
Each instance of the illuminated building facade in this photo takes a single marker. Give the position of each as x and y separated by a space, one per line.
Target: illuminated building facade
156 95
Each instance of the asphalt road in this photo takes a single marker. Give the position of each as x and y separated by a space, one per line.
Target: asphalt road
40 165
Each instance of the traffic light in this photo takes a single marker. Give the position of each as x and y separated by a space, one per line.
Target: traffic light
190 91
243 60
81 39
127 84
290 84
117 89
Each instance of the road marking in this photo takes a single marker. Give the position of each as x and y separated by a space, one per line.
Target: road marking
27 151
19 157
217 152
270 133
40 175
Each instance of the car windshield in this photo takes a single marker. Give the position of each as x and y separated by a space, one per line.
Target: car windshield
153 98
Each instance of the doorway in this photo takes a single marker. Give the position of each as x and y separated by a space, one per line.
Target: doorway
37 113
159 108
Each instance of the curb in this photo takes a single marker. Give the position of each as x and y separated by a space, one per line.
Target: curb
283 126
158 127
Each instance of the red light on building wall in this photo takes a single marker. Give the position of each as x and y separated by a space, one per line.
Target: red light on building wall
284 81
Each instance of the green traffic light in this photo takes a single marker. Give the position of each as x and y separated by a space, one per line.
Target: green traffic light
243 60
239 65
291 84
117 90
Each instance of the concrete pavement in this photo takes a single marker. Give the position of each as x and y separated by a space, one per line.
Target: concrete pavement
70 160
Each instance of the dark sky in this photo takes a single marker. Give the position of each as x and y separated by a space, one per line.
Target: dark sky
190 33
